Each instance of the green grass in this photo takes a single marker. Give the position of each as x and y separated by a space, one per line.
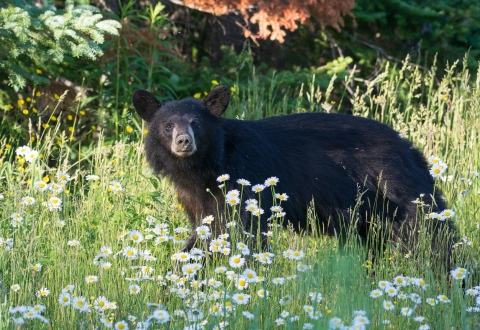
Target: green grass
441 120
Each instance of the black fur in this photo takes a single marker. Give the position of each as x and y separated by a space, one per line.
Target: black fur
330 158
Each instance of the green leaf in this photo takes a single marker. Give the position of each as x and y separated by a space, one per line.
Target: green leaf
154 182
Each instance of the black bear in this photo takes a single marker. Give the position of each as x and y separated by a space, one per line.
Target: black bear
338 161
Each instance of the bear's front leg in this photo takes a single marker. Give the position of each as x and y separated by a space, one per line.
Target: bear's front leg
190 243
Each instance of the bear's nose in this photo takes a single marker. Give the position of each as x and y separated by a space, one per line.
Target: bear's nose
183 140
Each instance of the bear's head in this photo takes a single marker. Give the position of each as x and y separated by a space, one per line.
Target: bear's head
178 126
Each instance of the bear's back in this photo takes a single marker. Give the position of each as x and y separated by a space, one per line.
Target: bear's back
331 153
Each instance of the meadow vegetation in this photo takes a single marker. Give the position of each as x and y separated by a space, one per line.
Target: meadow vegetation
94 241
90 238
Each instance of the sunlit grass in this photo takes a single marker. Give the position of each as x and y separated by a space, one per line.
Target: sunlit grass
95 242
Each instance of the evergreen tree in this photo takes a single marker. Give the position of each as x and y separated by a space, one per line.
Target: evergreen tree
32 36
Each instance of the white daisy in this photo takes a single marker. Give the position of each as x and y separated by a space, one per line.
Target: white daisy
236 261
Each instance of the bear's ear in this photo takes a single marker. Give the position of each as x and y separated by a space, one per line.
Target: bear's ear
217 100
145 104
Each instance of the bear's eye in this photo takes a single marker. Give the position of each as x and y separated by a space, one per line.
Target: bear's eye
168 126
194 124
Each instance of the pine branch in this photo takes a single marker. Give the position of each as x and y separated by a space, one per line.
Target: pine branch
29 34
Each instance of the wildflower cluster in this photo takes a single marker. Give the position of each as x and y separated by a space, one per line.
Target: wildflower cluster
6 243
360 321
25 315
408 296
464 241
475 294
459 273
224 279
54 203
442 216
438 167
27 154
232 287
